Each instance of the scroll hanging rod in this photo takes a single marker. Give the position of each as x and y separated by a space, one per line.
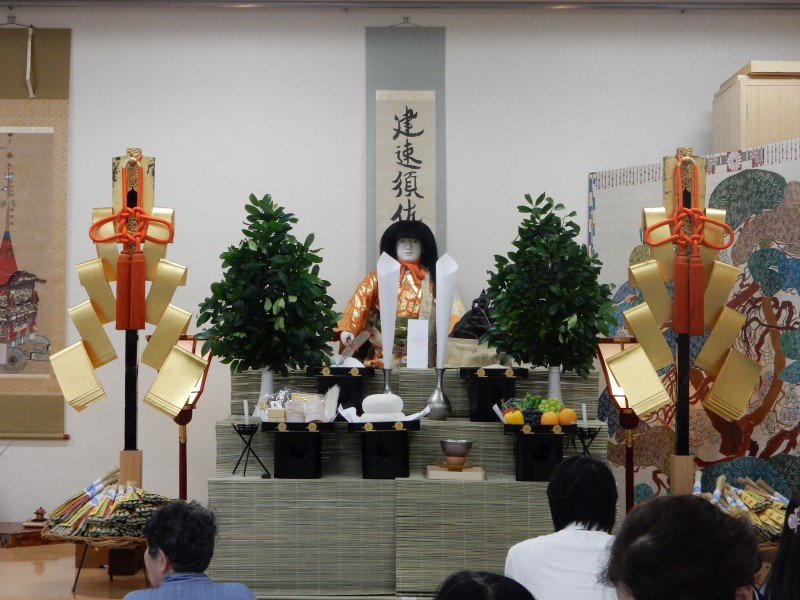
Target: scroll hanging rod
11 20
406 22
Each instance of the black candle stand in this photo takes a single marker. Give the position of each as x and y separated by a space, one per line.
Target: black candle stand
246 433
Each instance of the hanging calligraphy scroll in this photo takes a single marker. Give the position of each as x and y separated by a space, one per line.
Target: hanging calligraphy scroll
405 181
405 125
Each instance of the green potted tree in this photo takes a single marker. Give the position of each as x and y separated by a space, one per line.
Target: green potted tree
271 310
547 306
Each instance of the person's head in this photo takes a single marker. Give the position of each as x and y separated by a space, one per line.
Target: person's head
582 490
481 585
414 230
180 538
783 580
682 547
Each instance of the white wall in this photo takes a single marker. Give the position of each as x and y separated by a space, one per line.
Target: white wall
272 101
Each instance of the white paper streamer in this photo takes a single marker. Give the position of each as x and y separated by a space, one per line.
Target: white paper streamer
446 276
388 288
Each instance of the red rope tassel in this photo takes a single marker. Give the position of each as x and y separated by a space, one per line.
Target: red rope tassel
680 294
696 292
123 291
137 298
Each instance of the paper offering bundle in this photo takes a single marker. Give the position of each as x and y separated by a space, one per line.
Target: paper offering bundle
293 406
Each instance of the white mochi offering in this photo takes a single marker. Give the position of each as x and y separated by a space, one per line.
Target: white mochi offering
382 407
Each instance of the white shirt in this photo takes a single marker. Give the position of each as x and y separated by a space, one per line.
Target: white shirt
562 565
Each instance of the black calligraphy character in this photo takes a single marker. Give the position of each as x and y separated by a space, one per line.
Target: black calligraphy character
406 183
405 156
411 213
404 124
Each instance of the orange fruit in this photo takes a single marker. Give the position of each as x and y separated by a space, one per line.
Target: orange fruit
567 416
549 418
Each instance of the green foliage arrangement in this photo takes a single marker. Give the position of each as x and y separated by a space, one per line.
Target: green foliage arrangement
271 308
547 307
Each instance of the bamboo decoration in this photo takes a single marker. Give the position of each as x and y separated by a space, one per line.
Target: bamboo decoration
753 501
107 512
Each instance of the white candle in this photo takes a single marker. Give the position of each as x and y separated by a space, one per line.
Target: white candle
246 412
583 411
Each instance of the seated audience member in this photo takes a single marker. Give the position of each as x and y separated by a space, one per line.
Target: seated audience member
481 585
180 543
582 495
783 580
683 547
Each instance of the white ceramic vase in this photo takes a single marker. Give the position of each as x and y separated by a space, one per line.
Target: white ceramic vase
267 384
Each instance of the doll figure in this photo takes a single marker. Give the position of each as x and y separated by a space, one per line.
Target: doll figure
413 245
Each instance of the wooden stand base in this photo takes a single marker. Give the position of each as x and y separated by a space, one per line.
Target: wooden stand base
681 474
468 474
130 467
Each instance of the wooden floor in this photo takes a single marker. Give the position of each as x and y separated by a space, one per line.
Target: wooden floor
33 572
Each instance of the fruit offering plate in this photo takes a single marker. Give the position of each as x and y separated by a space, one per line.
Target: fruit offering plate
565 429
536 410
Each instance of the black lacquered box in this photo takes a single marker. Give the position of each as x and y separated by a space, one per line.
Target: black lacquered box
384 448
349 379
489 386
298 449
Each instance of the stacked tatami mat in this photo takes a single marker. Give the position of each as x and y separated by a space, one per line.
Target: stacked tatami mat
347 537
299 538
447 526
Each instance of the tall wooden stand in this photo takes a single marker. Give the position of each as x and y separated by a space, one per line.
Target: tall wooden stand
130 459
681 463
681 474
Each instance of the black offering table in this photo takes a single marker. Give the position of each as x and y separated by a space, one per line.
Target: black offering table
349 379
538 448
384 448
298 448
490 386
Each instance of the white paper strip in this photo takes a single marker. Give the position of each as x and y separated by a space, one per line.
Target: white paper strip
388 288
446 276
417 344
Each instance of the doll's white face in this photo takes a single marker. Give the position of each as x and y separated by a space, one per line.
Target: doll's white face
409 249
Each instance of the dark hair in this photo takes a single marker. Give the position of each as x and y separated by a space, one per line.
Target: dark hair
582 490
783 580
682 547
417 230
481 585
185 532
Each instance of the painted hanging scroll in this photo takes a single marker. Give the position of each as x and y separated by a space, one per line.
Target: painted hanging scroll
34 109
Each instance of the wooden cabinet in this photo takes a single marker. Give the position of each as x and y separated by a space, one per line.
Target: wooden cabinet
760 104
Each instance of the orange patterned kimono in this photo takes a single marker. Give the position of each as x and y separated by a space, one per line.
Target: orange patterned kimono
414 301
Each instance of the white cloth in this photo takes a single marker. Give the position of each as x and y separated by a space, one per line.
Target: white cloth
561 565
